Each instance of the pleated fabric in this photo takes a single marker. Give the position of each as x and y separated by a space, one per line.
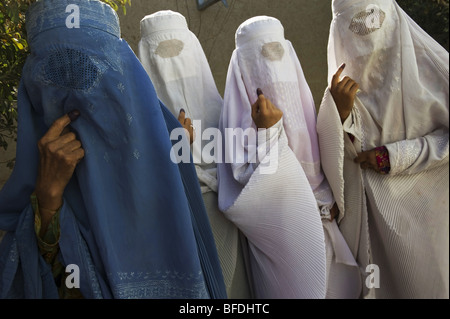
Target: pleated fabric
275 204
286 241
398 221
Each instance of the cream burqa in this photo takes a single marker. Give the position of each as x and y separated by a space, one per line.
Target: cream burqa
274 189
399 221
176 63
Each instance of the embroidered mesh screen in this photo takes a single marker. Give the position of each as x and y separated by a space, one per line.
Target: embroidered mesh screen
169 48
273 51
368 21
71 68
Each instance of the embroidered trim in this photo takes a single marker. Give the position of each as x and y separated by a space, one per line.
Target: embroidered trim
407 154
159 284
361 129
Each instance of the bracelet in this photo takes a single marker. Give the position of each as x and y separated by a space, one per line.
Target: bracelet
382 156
52 211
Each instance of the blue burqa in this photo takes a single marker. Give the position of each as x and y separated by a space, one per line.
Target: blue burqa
132 220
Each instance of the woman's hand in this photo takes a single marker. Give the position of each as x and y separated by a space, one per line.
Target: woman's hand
343 92
264 113
368 160
187 125
59 154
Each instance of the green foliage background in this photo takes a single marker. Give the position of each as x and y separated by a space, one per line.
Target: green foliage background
431 15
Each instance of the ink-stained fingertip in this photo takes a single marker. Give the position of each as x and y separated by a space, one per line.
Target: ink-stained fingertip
73 115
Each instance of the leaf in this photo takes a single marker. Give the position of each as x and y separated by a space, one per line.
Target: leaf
18 44
13 12
114 5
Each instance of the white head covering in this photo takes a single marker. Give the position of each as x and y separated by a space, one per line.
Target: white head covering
403 105
176 63
402 71
277 212
268 61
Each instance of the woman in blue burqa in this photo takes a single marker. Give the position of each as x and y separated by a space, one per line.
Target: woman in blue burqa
95 208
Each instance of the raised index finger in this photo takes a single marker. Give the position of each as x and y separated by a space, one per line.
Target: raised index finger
262 103
60 124
336 76
182 116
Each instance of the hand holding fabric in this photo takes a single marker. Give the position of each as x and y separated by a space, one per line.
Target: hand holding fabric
368 160
264 113
59 154
187 125
343 92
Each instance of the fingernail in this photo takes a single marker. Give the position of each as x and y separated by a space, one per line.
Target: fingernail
259 92
182 110
73 115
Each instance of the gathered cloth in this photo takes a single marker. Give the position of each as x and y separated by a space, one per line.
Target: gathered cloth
132 220
176 63
398 221
277 206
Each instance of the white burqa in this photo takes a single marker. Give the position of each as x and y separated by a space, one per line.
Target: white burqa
278 203
399 221
176 63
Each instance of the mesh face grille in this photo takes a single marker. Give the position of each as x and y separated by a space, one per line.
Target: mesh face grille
169 48
366 22
71 69
273 51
